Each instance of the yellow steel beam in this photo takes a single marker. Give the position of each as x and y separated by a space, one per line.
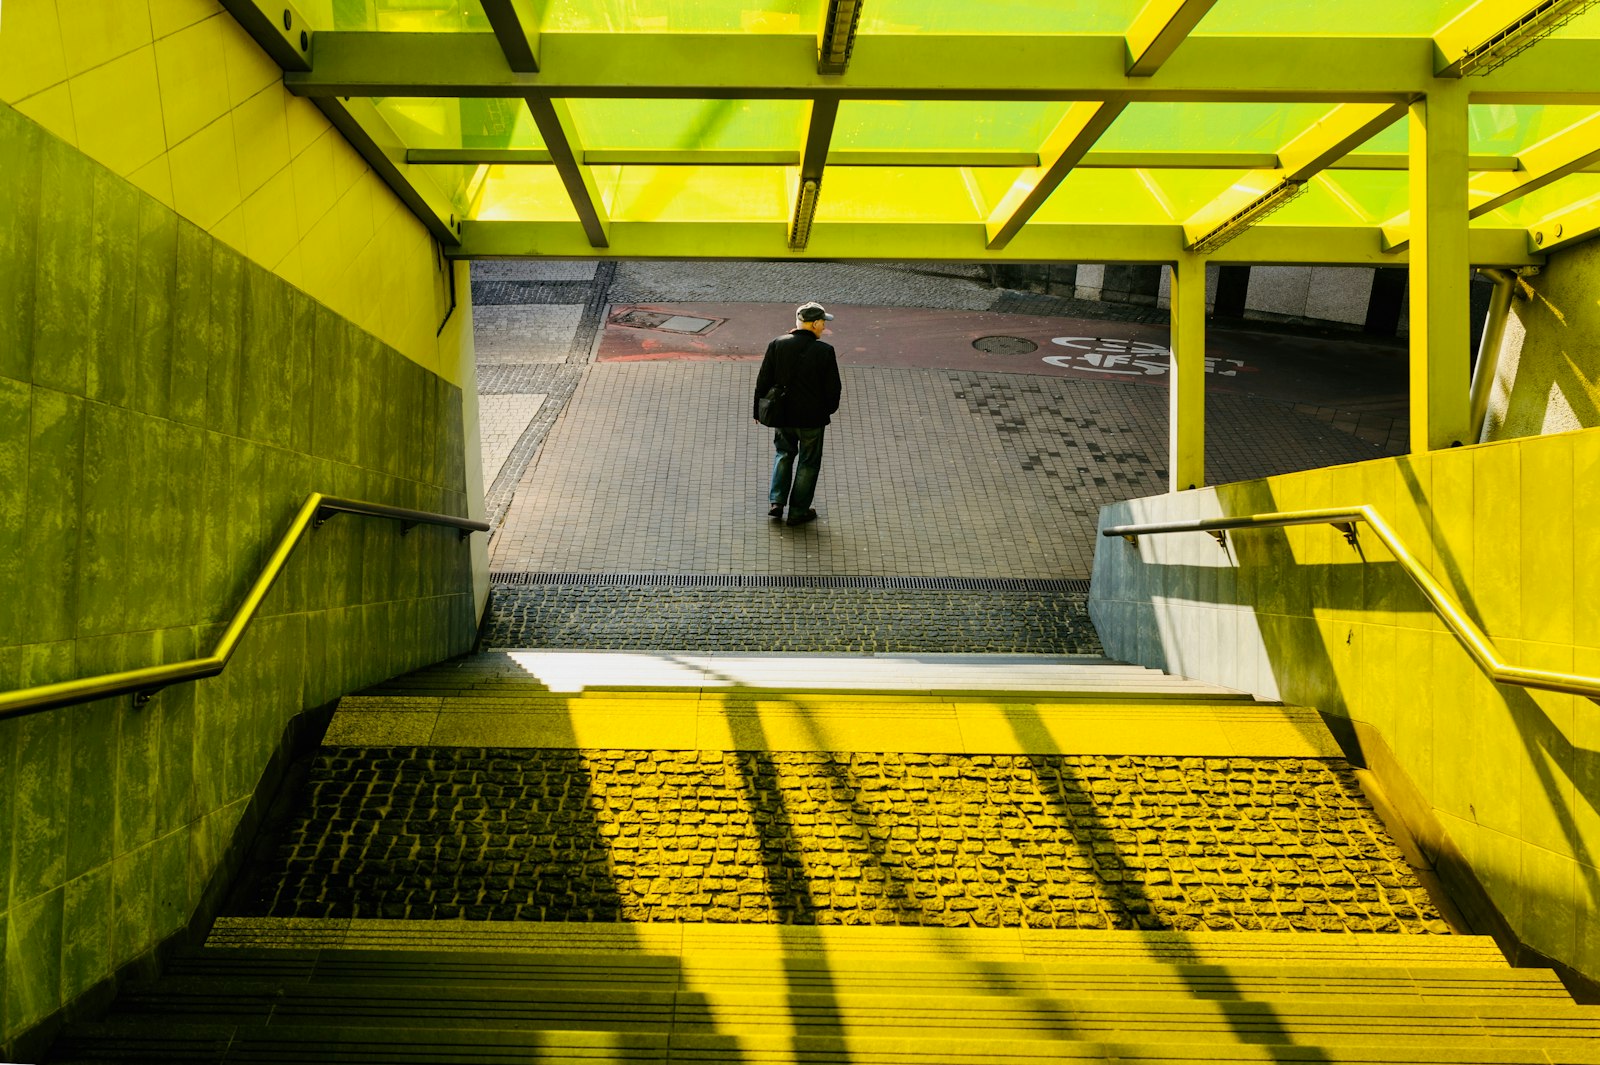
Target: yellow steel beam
1577 222
1093 160
1072 137
924 66
1158 30
560 135
1325 141
1186 383
1490 32
1573 149
516 25
1440 254
1283 245
813 160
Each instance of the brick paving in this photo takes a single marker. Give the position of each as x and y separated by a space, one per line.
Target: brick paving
824 620
871 284
1039 841
656 467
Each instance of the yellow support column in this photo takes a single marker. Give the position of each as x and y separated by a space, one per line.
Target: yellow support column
1186 452
1440 269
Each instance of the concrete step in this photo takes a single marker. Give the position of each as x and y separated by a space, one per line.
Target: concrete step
268 937
353 1016
217 973
282 1044
577 671
925 704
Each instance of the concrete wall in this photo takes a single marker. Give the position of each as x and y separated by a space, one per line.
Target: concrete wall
1502 781
1548 379
172 384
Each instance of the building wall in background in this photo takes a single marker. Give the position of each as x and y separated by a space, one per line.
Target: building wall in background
1506 780
166 403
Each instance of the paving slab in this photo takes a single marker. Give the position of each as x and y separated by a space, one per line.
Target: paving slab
658 467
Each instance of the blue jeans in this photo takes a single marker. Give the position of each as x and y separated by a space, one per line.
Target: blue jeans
807 443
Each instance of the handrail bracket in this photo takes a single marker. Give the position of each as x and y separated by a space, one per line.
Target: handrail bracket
1220 536
1134 540
142 697
1349 530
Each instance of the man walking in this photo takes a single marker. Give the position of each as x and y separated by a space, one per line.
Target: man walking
806 371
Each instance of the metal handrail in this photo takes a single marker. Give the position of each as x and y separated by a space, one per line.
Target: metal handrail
1345 519
143 683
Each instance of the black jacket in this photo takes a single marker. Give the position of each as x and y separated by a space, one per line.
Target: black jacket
809 369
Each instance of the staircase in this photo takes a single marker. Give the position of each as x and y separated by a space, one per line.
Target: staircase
581 856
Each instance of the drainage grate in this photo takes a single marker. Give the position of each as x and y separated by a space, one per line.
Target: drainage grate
778 580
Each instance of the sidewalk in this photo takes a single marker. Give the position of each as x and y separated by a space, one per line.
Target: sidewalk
971 442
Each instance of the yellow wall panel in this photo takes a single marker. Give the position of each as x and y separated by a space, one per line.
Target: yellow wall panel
170 16
52 109
205 174
96 31
117 106
261 130
31 58
194 86
155 177
313 180
249 68
269 221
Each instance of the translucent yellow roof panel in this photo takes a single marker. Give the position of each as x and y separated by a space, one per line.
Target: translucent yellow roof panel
683 125
1014 16
397 16
947 125
898 194
522 194
490 122
1346 18
1113 197
1506 129
1208 127
698 193
684 16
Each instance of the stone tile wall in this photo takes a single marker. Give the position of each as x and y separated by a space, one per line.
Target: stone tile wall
165 406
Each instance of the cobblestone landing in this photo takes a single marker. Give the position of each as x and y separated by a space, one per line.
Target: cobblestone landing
1037 841
643 617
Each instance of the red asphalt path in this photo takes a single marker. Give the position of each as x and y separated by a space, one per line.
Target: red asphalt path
1326 370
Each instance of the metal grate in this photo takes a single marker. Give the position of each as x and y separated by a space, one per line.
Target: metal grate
778 580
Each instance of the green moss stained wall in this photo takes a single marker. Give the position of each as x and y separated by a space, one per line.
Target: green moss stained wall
165 406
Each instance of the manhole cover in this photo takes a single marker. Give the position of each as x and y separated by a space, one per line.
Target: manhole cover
634 318
1005 345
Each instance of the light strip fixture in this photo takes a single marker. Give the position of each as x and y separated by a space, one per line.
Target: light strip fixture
1521 35
838 35
1241 220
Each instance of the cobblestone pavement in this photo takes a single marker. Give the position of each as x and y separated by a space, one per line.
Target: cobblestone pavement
875 284
1039 841
534 326
656 467
824 620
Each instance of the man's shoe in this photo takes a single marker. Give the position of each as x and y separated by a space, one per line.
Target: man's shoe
802 517
776 511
